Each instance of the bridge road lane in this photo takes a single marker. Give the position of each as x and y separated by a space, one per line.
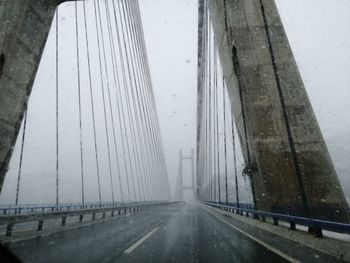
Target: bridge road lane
194 235
94 242
184 234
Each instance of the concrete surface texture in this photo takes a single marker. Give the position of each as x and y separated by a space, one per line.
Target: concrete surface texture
281 140
24 27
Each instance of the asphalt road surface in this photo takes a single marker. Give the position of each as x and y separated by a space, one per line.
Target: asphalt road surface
186 233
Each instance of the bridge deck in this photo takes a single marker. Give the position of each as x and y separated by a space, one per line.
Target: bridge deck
183 233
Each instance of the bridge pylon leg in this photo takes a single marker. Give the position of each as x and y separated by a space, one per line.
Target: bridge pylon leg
24 28
283 147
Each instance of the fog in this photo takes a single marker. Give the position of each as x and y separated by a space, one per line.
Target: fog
318 31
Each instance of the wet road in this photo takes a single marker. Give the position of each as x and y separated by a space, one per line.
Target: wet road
187 233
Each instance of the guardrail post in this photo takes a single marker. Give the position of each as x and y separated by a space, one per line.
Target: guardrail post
247 214
93 216
9 229
318 232
263 218
112 213
292 225
40 225
315 230
64 220
81 218
275 221
104 215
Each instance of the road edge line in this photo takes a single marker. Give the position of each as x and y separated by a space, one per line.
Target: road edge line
264 244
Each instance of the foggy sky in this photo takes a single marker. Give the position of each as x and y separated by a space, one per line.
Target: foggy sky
318 31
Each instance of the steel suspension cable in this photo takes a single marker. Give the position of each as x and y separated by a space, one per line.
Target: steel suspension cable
217 118
92 102
120 34
141 76
21 156
57 112
225 140
125 147
206 95
79 103
214 90
117 86
151 98
210 113
205 98
138 57
145 115
135 83
103 92
109 93
139 107
234 158
200 101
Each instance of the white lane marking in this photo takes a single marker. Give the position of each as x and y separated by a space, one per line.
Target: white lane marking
140 241
274 250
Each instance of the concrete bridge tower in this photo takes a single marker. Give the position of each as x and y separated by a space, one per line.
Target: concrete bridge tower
24 28
283 147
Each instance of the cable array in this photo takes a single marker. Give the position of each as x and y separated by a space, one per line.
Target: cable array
116 109
217 165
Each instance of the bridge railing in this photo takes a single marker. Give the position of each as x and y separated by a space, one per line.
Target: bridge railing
42 208
315 225
44 213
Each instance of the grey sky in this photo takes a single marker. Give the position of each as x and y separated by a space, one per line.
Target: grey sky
319 35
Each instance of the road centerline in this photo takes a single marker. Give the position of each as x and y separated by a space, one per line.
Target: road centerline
140 241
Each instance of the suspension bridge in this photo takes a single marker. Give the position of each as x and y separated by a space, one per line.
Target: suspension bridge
82 164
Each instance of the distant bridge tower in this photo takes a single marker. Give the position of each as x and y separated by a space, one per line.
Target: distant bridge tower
180 188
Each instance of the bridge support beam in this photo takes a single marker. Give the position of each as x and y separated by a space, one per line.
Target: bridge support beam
285 152
24 25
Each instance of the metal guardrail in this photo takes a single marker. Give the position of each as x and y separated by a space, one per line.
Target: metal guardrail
315 225
42 208
11 219
240 205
